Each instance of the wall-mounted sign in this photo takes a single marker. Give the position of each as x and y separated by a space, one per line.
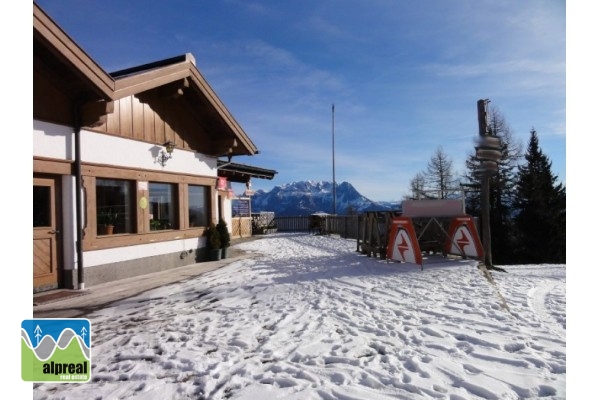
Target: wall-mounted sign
142 185
240 207
143 203
222 183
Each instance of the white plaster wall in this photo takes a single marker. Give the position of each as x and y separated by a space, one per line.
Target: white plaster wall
57 141
106 149
227 212
100 257
53 141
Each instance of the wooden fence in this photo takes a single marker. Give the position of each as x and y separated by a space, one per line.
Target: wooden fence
347 226
369 229
241 227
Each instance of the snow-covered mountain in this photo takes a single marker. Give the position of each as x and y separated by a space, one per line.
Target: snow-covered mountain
308 197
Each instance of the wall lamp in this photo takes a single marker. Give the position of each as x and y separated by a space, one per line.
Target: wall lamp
166 155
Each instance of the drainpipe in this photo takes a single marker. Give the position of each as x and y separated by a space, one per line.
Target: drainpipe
78 197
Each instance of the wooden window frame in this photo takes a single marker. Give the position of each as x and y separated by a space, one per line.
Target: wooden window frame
187 204
141 178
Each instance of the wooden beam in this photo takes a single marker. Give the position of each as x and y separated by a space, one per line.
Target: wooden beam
227 142
94 114
173 90
224 146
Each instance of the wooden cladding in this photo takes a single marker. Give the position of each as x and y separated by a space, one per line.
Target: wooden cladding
151 118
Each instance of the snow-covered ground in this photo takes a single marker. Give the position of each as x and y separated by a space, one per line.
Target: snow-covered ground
310 318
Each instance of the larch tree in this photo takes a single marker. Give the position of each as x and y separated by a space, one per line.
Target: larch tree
439 176
417 187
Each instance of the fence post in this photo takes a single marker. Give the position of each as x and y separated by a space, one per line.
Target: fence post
357 231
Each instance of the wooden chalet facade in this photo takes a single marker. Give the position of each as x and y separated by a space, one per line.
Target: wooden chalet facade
100 159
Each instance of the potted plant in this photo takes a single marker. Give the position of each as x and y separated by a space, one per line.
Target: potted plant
214 243
107 220
224 236
155 224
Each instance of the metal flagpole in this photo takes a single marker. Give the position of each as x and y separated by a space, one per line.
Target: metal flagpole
333 152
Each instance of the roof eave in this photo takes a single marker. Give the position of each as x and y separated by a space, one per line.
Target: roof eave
66 48
242 172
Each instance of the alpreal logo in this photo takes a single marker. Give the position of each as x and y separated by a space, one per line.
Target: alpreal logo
56 350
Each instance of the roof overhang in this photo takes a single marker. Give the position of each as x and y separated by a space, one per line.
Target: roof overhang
57 48
242 173
61 61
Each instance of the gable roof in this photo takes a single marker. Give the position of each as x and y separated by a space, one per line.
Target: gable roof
86 82
180 76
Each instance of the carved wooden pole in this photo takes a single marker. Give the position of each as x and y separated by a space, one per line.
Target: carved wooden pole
485 187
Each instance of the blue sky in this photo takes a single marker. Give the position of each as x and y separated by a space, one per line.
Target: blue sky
405 76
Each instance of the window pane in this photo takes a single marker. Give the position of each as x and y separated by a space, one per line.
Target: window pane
41 206
114 206
163 206
198 205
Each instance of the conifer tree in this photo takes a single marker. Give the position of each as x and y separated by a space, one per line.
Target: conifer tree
540 208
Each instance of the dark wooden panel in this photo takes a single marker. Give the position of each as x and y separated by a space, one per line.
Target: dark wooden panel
169 133
159 124
149 125
125 118
137 119
49 103
112 121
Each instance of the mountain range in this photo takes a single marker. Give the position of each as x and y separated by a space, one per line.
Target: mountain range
309 197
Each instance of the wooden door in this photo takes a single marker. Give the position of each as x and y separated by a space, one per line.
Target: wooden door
45 235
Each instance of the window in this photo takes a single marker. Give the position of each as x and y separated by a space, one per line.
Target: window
42 215
163 206
198 201
114 206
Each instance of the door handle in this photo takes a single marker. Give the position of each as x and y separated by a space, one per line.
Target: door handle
54 231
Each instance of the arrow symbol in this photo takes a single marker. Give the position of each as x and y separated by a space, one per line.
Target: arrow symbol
38 333
463 241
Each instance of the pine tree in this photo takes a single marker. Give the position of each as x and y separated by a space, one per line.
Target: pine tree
502 190
540 209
